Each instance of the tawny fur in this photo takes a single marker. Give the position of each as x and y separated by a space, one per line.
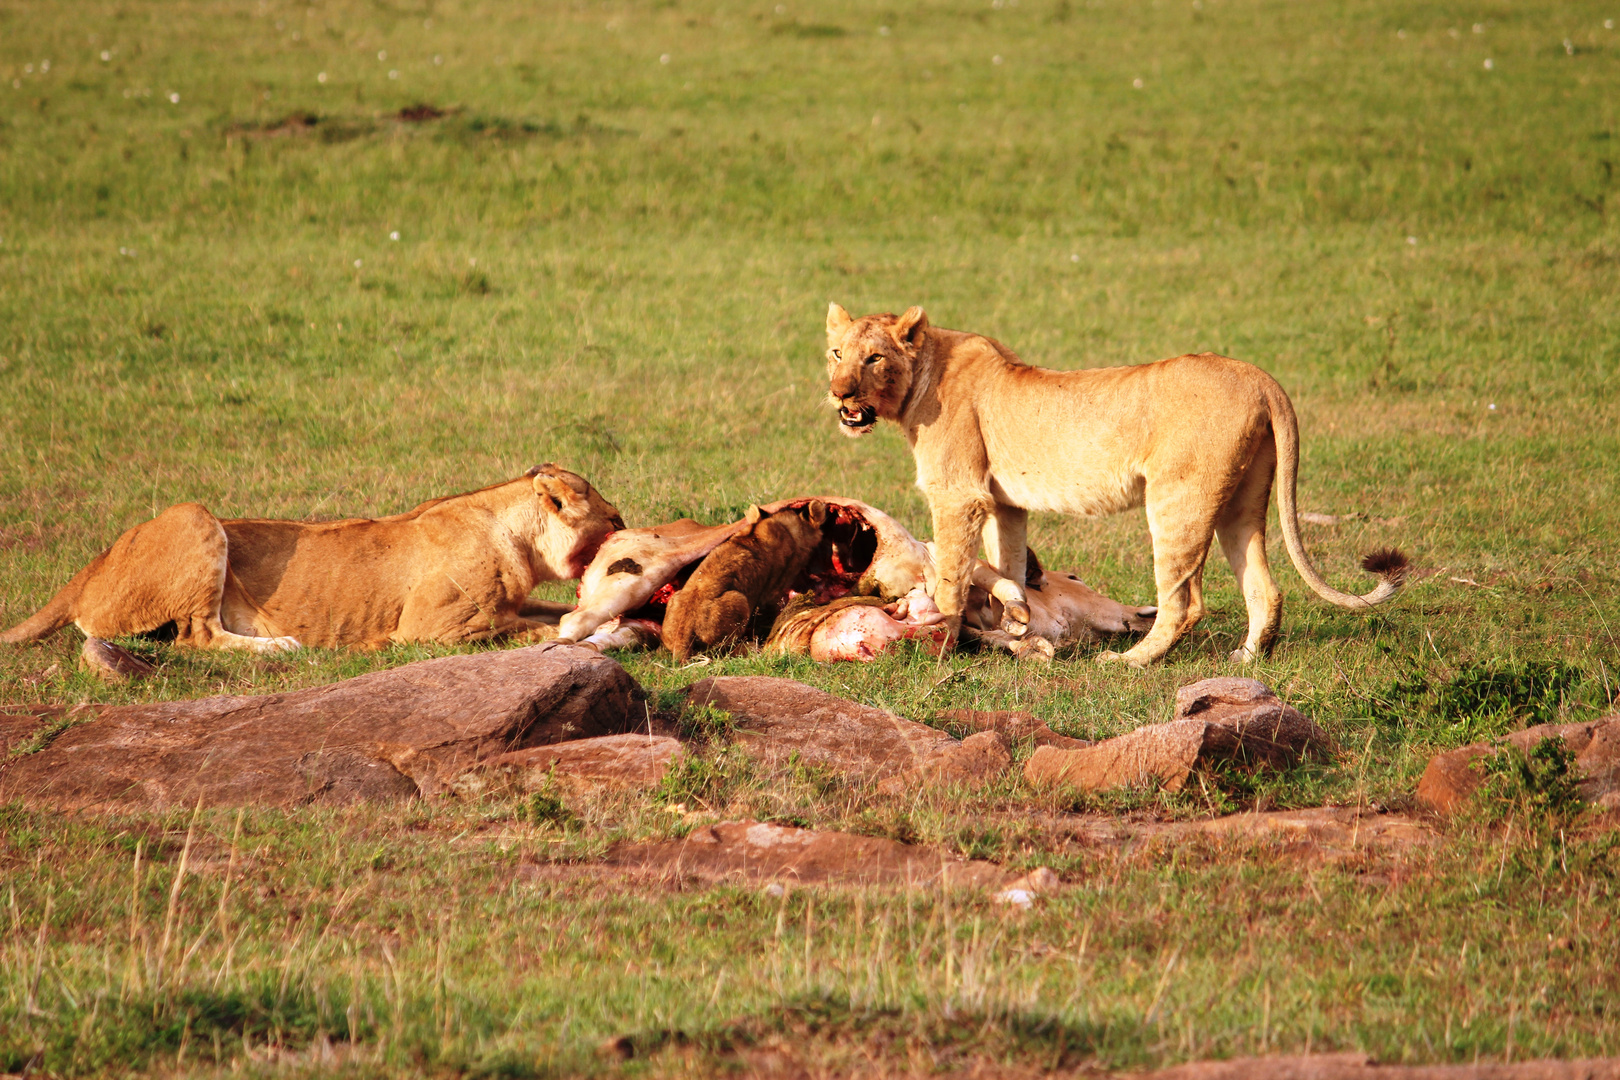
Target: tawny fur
454 569
1196 439
747 574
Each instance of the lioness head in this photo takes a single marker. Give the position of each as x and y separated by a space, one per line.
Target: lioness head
869 364
574 519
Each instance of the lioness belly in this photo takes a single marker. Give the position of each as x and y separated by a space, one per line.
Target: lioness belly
1092 495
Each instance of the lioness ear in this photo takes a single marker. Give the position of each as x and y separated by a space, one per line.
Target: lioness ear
911 326
553 491
838 321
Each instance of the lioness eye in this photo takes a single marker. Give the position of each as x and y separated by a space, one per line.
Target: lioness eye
874 358
837 355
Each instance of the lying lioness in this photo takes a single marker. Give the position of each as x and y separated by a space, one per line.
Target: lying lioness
454 569
1196 439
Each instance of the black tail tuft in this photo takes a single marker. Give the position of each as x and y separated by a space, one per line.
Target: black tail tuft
1388 563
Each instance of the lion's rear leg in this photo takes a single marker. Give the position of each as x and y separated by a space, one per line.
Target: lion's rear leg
167 570
1242 532
1181 536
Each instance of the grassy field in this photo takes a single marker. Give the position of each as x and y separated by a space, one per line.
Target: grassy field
241 264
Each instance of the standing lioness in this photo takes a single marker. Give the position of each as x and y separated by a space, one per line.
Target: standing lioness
1196 439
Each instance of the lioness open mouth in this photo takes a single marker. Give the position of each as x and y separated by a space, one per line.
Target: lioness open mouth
858 420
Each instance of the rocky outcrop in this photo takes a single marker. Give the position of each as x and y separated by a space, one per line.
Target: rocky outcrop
779 720
1225 719
759 851
1452 777
974 762
1016 724
616 761
386 735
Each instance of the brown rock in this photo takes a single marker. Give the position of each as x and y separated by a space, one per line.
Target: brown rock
1356 1066
631 760
779 719
21 723
1452 777
1013 723
1225 719
389 734
756 851
974 762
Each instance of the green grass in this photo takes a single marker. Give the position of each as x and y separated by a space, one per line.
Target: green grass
622 265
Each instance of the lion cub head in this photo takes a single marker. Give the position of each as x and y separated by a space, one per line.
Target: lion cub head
870 362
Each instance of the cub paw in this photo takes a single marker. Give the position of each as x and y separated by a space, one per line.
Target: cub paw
1112 657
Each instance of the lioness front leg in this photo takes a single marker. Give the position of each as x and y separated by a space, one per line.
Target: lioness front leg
1006 536
958 522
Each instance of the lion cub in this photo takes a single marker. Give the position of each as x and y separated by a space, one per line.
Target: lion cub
751 571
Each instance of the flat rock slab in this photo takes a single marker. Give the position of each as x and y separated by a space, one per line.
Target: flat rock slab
1452 777
779 719
630 761
386 735
1226 719
1362 1067
758 851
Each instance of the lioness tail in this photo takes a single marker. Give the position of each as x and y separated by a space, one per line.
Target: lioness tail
48 619
1388 564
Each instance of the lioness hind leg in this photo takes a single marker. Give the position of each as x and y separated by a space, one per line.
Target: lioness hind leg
1242 532
167 570
1181 536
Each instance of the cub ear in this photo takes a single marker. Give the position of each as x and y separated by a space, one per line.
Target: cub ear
838 320
816 512
753 515
910 328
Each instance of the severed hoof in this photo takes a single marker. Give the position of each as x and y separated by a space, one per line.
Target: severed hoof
109 663
1015 618
1035 648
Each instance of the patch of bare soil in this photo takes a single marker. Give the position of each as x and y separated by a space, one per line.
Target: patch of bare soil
760 851
1362 1067
1327 833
